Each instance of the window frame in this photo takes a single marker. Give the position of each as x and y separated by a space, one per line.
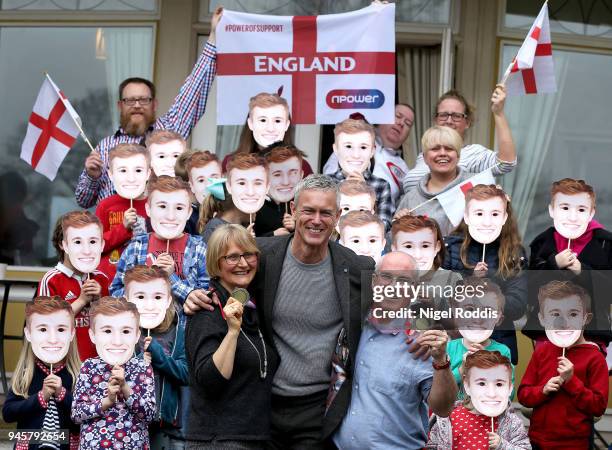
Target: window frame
80 15
558 39
29 270
406 34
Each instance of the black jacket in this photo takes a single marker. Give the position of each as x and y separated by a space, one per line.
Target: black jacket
270 218
514 289
597 254
595 277
352 276
29 414
234 409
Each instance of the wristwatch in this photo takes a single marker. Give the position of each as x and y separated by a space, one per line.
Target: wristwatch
444 365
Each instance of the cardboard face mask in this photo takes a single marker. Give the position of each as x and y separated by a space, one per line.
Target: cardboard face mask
84 247
421 245
129 175
563 320
152 298
164 156
485 219
354 151
486 308
489 389
248 188
268 124
571 214
169 212
367 240
199 179
284 176
359 202
50 335
115 337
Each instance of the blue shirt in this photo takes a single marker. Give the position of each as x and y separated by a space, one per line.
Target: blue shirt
388 407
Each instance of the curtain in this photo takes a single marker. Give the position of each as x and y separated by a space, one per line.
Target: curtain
128 53
418 74
532 120
227 139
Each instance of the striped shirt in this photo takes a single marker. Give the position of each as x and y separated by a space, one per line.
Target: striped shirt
187 109
474 158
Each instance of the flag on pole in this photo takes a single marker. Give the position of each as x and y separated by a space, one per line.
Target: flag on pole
532 71
326 66
453 200
52 129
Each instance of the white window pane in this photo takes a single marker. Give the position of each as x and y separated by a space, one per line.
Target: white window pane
89 75
566 134
421 11
568 17
79 5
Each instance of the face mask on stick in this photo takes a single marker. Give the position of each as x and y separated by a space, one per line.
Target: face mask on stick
129 176
489 389
50 335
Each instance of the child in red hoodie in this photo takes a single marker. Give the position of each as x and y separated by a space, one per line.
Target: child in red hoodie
123 214
565 392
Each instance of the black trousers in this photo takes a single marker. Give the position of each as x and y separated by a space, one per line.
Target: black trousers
297 422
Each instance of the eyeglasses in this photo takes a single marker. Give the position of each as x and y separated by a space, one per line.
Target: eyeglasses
388 279
144 101
443 116
234 258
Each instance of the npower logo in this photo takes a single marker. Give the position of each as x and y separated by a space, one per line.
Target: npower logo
355 99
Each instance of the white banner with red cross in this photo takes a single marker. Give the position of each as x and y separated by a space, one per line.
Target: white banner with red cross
52 130
532 71
326 67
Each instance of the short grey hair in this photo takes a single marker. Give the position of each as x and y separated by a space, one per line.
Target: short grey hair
317 182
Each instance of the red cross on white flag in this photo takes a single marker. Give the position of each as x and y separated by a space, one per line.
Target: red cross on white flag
532 71
52 130
327 66
453 200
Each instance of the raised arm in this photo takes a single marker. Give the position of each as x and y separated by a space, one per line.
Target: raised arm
190 103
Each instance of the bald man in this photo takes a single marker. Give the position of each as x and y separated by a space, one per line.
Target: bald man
389 385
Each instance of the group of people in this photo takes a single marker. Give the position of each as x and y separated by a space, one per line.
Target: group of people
249 303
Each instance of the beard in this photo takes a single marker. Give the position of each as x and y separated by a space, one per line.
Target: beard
137 125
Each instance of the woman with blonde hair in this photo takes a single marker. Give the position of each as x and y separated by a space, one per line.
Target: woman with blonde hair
441 152
231 366
47 369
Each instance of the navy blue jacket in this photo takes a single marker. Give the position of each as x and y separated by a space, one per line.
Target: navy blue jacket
29 413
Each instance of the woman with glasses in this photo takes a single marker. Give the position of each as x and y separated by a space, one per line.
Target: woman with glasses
230 365
442 147
454 111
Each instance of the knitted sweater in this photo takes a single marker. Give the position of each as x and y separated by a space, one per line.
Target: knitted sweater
509 427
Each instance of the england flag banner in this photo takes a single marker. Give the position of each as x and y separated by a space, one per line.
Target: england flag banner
326 67
52 129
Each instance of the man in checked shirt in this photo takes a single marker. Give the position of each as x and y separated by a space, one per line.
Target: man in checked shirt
137 105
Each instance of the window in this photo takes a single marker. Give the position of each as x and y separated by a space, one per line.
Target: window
586 18
87 63
416 11
79 5
566 134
